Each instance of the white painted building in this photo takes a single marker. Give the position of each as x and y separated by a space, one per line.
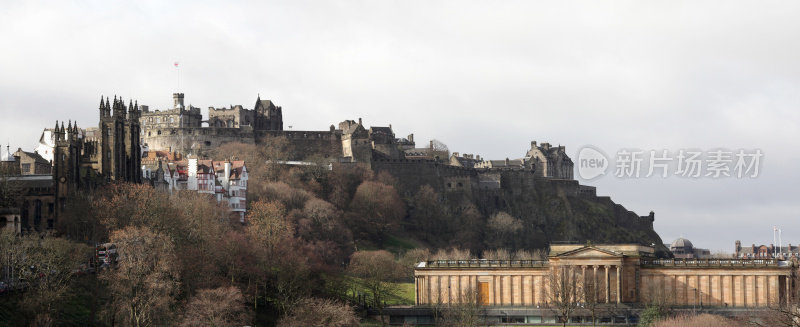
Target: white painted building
225 180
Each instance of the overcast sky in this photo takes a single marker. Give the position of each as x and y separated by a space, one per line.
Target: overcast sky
484 77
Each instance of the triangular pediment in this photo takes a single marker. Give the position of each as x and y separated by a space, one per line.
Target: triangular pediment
589 252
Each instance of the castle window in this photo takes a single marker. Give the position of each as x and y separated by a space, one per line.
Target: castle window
171 120
208 143
159 132
158 120
460 185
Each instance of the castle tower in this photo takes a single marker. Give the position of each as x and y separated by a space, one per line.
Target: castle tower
268 117
177 99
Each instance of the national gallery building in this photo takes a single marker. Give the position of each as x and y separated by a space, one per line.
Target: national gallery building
622 276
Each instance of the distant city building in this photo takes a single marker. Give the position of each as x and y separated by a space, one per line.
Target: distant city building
224 180
765 251
31 163
466 160
24 163
684 249
545 160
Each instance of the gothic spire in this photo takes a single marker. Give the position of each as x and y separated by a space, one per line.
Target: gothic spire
101 103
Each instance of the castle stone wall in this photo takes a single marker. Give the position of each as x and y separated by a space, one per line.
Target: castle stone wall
307 145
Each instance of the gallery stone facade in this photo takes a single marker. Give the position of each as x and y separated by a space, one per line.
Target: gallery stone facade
624 274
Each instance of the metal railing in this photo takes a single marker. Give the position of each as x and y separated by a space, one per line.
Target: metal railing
712 262
483 263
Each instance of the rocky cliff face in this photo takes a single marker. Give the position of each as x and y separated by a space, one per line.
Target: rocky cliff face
547 210
557 211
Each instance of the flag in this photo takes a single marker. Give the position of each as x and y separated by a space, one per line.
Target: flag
176 64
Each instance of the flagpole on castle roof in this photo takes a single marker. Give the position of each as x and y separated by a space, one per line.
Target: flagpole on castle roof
179 76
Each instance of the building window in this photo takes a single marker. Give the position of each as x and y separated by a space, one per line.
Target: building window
50 207
26 168
37 213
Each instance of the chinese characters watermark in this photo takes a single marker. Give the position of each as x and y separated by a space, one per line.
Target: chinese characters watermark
684 163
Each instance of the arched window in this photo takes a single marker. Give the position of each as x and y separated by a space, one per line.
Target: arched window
230 123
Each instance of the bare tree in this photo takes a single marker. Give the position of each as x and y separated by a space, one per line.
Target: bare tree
497 254
320 312
452 254
503 228
411 258
589 295
564 291
787 313
145 282
267 224
658 301
466 311
378 271
439 150
376 210
223 306
536 254
43 264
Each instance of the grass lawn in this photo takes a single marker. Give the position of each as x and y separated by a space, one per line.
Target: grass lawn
396 244
403 296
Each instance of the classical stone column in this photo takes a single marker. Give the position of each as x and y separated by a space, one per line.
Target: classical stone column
594 280
428 289
607 284
744 291
619 284
583 274
417 289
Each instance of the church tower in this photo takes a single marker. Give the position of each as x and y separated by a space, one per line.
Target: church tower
120 155
66 162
